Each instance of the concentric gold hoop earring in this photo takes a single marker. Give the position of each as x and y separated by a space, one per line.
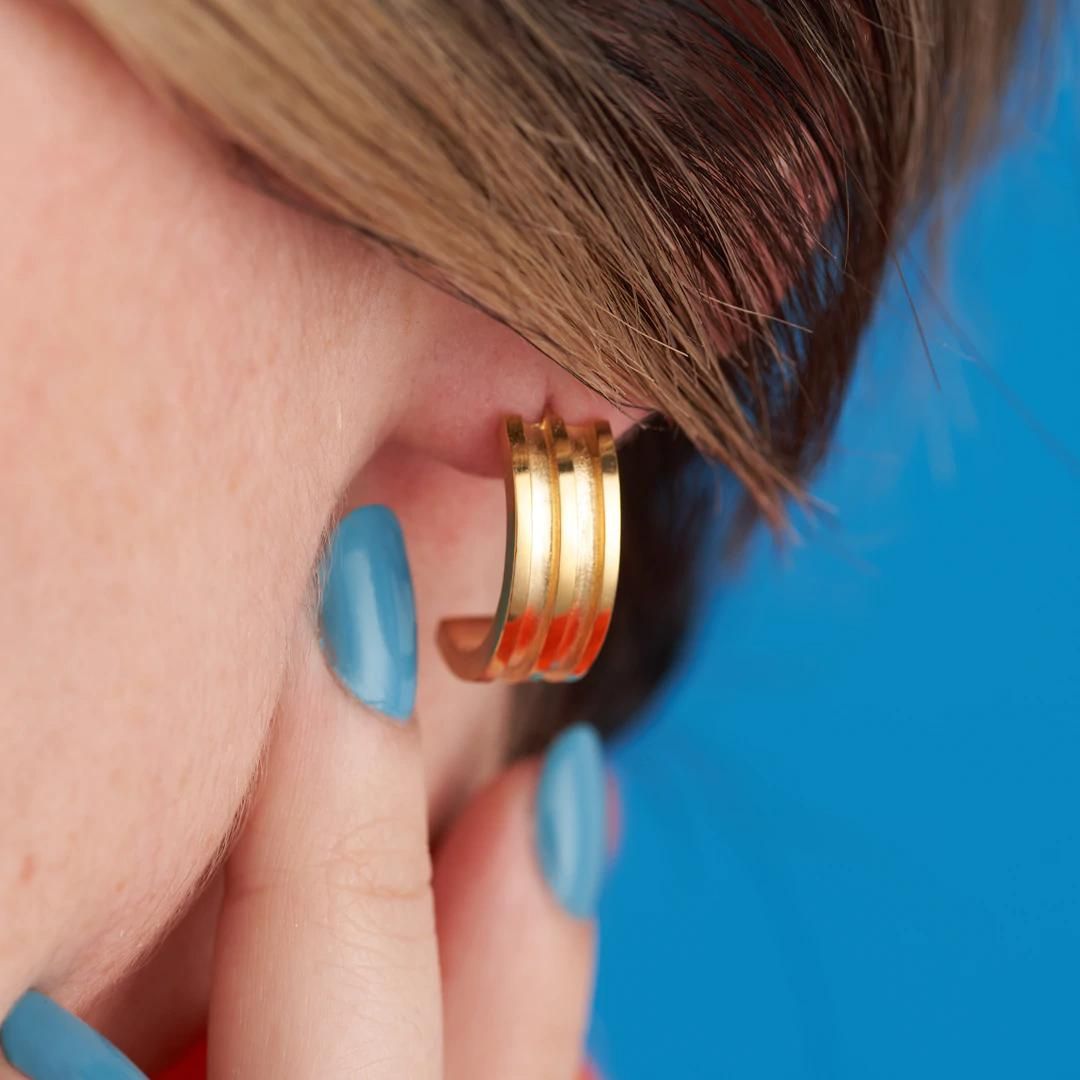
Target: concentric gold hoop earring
562 559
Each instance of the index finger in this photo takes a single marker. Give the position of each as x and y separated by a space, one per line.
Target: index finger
326 962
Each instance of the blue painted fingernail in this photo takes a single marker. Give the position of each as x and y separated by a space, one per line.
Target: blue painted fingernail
368 613
46 1042
571 819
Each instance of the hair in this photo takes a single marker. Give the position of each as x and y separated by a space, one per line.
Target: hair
688 204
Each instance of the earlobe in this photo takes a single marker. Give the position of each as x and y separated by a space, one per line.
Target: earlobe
465 372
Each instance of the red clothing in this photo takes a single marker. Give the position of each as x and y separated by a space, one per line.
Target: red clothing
192 1066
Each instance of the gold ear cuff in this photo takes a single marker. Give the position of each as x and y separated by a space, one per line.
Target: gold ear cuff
562 559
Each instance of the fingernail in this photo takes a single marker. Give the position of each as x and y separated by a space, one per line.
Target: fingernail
571 826
46 1042
614 826
368 614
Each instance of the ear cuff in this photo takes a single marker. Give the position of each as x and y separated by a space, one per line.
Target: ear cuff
562 559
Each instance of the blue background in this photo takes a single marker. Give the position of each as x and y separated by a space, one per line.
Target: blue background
851 824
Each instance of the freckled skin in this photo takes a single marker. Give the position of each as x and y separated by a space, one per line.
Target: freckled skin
194 377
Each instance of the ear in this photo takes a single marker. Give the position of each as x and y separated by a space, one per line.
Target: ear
467 372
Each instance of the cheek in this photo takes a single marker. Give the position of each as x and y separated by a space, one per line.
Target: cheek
143 633
155 545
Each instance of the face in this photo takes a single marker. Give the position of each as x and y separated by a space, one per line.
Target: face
197 382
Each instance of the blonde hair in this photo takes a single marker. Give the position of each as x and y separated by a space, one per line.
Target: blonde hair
689 206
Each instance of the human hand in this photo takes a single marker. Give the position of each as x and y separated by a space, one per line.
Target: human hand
340 951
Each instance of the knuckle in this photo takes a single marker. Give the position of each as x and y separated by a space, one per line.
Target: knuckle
376 860
379 884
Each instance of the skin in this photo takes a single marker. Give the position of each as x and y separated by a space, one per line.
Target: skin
197 382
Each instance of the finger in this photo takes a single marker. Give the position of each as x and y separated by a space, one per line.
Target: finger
46 1042
516 884
326 964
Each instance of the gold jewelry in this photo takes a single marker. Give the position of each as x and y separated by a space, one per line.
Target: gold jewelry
562 559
